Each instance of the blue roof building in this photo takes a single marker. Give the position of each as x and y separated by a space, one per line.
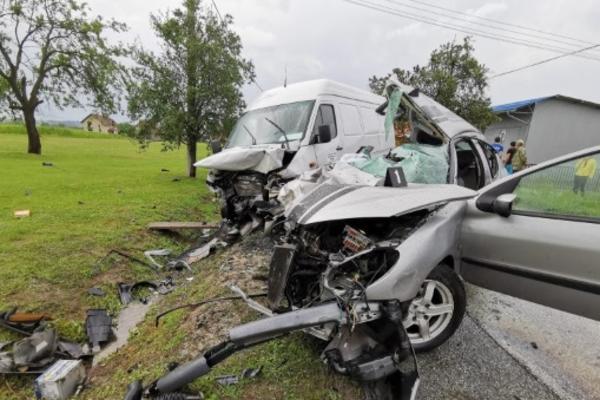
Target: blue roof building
550 126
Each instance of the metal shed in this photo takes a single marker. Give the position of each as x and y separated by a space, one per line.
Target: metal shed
551 126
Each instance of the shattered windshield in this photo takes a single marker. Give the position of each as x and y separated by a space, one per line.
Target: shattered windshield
265 125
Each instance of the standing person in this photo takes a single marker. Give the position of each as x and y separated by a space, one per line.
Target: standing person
519 160
497 145
584 169
509 156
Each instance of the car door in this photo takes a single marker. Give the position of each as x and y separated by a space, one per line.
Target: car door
536 235
327 151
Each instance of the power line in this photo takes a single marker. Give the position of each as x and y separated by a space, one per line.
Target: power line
544 61
484 24
468 31
217 9
500 22
221 18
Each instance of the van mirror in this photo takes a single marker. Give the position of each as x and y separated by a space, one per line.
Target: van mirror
215 146
324 134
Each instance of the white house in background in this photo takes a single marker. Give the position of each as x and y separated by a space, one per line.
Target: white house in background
99 123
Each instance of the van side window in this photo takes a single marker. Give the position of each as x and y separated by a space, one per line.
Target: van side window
351 120
372 121
325 116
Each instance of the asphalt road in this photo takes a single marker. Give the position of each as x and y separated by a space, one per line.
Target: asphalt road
512 349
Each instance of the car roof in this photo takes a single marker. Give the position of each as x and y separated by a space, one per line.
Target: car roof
447 121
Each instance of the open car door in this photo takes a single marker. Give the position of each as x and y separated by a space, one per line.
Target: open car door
536 235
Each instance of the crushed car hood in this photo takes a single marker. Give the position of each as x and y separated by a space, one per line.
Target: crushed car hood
334 202
260 159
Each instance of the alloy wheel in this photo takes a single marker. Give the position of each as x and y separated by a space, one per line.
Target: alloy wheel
430 312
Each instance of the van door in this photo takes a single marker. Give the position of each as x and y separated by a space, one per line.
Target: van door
324 137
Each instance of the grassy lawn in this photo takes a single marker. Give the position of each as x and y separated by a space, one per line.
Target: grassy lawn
99 194
557 201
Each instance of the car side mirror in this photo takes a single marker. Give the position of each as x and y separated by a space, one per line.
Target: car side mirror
324 134
503 204
215 146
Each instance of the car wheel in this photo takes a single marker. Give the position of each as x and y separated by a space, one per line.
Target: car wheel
437 310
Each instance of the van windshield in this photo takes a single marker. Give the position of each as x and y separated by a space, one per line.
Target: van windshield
261 126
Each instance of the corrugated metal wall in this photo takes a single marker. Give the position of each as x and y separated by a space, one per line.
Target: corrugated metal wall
559 127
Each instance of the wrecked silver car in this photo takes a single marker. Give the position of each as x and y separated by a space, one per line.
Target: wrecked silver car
374 271
355 266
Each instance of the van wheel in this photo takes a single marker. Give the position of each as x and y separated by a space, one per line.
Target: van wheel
437 310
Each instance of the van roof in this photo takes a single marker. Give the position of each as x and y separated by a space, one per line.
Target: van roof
309 90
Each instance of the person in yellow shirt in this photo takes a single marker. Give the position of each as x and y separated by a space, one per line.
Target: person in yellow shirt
584 170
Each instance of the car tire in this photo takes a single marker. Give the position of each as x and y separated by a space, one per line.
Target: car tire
437 311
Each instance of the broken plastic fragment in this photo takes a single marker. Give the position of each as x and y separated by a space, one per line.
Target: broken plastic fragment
390 115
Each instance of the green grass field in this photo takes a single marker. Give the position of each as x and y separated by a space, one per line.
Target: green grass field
99 194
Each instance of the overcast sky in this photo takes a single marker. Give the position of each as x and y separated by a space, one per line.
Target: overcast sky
341 41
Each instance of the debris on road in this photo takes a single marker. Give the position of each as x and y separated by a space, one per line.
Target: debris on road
60 381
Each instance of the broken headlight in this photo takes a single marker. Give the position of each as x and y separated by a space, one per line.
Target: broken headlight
249 185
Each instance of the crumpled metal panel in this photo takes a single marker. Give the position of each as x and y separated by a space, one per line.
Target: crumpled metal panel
260 159
382 202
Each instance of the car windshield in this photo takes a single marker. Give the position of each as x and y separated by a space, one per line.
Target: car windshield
265 125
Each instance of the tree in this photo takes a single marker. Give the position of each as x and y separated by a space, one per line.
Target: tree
453 77
192 90
126 129
51 50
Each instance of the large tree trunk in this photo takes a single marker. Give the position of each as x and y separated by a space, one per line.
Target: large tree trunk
191 152
34 145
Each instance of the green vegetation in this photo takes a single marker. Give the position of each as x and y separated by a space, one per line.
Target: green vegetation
57 53
99 194
453 77
552 200
192 90
54 130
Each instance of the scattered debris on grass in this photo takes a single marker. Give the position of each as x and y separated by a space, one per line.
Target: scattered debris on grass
98 326
175 225
61 380
95 291
22 213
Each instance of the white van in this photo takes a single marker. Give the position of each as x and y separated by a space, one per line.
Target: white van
287 131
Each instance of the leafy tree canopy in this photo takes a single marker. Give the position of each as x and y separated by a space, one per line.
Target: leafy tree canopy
52 50
453 77
191 90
